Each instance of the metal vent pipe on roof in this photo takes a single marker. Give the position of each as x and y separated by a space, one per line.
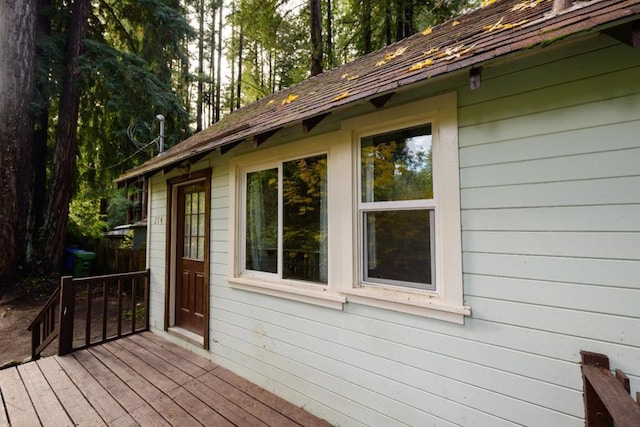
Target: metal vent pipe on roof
160 118
560 5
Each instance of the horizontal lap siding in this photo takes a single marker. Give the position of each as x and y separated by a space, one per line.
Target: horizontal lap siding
550 207
157 229
515 360
550 196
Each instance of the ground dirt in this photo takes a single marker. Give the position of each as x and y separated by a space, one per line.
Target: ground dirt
19 305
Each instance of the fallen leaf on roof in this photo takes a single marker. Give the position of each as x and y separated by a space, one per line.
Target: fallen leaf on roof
500 26
487 2
381 63
350 77
427 31
525 5
431 51
455 23
289 99
495 26
343 95
454 52
390 55
420 65
271 102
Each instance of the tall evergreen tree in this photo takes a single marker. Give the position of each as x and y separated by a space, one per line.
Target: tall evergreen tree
316 37
17 85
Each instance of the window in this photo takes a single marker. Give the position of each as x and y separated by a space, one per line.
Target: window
397 208
367 214
286 220
193 204
407 253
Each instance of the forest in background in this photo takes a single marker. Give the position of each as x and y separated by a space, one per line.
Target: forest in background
81 83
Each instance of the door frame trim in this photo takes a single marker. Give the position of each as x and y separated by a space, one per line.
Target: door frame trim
170 248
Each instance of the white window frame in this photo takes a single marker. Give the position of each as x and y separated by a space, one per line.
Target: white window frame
390 206
269 283
345 248
445 302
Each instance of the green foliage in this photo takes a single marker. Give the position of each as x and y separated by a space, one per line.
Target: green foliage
365 26
127 241
117 209
85 220
130 75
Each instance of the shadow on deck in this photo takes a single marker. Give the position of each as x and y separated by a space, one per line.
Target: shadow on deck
138 380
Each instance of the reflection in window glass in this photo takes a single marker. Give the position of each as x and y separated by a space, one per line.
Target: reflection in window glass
397 165
194 223
398 247
262 221
305 219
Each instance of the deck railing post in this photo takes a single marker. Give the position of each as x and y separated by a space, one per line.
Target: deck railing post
66 316
35 342
147 297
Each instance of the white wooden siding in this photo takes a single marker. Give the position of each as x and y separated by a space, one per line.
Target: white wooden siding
550 193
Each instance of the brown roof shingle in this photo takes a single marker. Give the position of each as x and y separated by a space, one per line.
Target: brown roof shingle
503 27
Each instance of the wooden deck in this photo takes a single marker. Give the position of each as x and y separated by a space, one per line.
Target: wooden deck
140 380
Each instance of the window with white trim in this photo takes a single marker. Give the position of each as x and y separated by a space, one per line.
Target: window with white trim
397 208
367 214
285 220
407 251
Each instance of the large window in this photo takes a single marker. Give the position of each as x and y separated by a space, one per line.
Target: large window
397 208
373 220
286 220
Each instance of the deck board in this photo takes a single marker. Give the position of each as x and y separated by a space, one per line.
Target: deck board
141 380
18 404
49 409
71 398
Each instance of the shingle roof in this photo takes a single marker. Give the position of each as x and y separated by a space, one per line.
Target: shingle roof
502 27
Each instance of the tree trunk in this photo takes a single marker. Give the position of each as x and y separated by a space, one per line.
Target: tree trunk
366 26
218 73
330 55
60 182
17 84
388 18
239 79
40 138
200 97
212 66
408 18
399 9
316 37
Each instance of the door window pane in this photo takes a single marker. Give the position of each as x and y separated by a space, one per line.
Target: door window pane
194 224
398 248
397 165
262 221
304 187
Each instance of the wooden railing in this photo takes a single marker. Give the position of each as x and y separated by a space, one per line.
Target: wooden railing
91 310
607 401
44 328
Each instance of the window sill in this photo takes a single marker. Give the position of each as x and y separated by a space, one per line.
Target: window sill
309 294
416 303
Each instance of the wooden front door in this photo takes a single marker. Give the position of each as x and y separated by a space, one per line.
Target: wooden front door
191 246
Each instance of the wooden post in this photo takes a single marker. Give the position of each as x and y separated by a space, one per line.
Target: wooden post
147 297
606 398
67 309
35 342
